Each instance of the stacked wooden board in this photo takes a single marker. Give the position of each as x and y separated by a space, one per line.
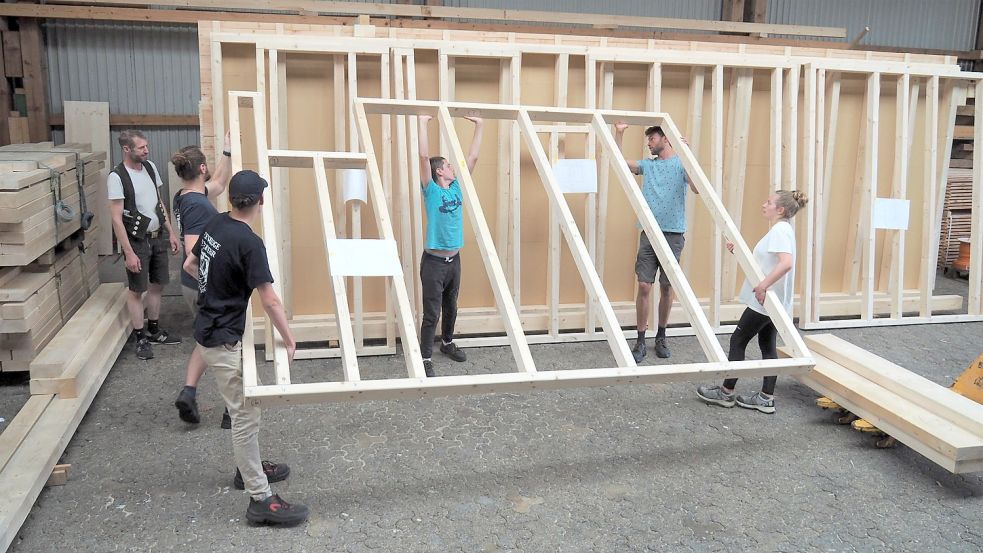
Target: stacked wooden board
76 361
37 300
956 214
33 178
942 425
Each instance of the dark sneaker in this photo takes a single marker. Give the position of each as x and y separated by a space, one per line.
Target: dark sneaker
187 407
451 350
662 348
715 395
757 401
639 352
164 337
274 473
274 510
144 350
428 368
226 420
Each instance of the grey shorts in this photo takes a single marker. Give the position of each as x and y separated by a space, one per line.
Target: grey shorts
153 254
647 263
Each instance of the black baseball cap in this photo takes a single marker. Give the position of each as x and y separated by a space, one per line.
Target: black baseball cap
246 183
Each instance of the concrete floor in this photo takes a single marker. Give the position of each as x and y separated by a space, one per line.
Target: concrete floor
609 469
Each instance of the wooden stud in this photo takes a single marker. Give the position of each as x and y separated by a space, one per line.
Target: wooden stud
775 155
735 168
929 226
975 300
812 145
823 184
870 178
404 183
790 118
899 190
346 339
515 185
416 192
356 221
553 261
340 117
281 182
387 181
601 209
717 174
694 127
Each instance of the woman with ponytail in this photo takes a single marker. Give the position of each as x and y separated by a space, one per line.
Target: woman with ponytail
775 254
192 210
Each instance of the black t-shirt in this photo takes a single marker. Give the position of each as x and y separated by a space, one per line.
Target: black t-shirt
192 211
231 263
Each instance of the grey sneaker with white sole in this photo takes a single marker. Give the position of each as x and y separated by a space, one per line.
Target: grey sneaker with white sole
757 401
715 395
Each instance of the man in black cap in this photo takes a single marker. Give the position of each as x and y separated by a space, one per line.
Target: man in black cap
230 261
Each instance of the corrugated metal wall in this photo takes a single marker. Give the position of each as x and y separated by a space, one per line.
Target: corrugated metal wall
690 9
938 24
138 69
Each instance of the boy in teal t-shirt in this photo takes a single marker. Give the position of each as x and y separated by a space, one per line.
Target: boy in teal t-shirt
440 267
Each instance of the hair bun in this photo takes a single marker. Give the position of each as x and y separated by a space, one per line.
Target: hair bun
800 198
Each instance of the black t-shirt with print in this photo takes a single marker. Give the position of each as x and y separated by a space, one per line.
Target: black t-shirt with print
192 211
231 263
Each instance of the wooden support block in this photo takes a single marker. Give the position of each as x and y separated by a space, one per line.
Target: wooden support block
59 475
12 64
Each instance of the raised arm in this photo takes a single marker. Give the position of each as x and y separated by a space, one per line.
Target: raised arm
424 141
475 142
619 136
223 170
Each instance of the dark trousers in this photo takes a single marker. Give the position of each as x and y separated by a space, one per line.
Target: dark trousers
441 278
752 323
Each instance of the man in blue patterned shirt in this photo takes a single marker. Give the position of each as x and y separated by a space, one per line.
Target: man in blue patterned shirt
664 185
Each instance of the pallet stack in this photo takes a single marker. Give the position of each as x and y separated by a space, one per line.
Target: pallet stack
956 215
48 265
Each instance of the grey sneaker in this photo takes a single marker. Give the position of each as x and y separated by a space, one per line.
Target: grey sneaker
662 348
715 395
639 352
757 401
144 349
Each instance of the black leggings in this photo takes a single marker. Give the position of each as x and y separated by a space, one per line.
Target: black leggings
752 323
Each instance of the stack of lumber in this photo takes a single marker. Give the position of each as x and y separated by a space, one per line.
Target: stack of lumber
942 425
33 177
79 357
37 300
962 141
956 214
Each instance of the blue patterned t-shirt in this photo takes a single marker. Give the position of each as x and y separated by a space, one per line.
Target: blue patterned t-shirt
445 225
664 186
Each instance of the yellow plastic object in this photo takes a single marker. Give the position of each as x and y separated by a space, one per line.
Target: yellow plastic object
863 426
826 403
970 382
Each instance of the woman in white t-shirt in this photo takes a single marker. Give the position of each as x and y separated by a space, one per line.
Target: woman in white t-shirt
775 254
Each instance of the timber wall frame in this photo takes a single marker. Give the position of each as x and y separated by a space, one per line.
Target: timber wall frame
415 383
797 76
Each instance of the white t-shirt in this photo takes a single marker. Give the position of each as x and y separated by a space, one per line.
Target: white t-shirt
143 189
780 239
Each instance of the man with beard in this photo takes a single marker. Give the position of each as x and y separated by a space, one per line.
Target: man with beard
143 231
664 184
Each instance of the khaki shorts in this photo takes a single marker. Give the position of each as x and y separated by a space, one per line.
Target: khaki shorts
647 263
190 298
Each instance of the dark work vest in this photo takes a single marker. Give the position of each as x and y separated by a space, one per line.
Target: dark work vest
130 201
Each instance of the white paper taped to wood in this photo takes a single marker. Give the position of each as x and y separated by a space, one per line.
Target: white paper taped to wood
890 213
576 175
354 257
353 184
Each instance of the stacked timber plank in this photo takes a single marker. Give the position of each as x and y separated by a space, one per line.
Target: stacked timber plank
37 300
75 363
942 425
33 179
48 265
956 214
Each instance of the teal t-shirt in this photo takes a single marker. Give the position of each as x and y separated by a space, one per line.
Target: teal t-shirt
664 186
445 224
